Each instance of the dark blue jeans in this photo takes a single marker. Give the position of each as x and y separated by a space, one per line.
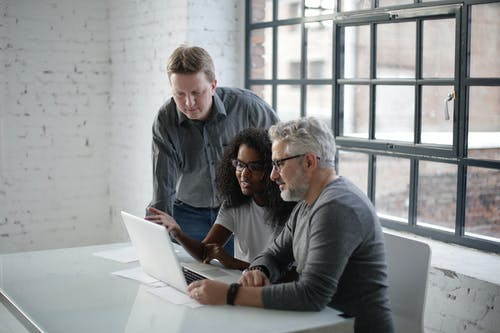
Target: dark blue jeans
196 222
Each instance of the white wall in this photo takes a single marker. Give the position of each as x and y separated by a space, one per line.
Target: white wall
81 82
142 35
54 171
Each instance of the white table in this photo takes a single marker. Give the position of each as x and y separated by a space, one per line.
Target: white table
71 290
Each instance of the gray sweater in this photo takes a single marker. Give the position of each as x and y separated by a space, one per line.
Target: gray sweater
338 246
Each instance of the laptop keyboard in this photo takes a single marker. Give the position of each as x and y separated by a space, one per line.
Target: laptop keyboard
191 276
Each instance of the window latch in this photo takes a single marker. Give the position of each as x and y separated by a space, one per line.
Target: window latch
449 97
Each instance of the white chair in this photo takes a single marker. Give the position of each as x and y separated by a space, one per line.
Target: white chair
408 268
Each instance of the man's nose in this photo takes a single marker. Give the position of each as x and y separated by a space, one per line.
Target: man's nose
190 100
274 174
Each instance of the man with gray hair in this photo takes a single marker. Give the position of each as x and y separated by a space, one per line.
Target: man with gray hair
333 235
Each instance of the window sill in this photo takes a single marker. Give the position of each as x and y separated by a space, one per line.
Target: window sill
458 259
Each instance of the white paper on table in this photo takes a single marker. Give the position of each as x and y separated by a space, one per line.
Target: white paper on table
138 274
124 254
172 295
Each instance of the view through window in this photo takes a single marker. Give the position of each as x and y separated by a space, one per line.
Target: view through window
411 90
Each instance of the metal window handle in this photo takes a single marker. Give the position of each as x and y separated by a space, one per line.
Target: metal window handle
449 97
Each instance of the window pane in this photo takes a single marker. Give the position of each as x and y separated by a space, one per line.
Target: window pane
319 102
288 102
438 48
261 50
289 9
385 3
396 50
347 5
435 128
356 52
264 91
484 123
483 203
485 44
394 112
354 166
356 109
319 7
262 10
319 50
437 195
392 188
289 52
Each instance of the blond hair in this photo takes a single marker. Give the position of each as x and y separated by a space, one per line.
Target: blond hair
191 60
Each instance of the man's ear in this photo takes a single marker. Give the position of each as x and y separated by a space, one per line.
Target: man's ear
213 85
311 160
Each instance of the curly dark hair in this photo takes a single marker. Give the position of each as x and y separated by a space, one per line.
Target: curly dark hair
227 183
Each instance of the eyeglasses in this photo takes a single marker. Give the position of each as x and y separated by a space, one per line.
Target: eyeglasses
252 166
278 164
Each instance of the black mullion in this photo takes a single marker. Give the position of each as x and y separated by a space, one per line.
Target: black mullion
462 61
373 73
413 199
336 72
490 164
303 69
275 56
461 200
248 32
372 165
461 124
372 169
417 126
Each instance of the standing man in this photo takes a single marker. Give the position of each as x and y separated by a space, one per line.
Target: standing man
190 133
333 235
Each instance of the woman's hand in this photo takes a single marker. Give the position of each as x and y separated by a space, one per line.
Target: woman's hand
208 292
215 251
164 219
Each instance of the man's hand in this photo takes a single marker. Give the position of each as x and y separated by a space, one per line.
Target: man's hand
254 278
162 218
208 292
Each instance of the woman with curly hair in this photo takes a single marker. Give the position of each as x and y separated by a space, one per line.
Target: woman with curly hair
252 207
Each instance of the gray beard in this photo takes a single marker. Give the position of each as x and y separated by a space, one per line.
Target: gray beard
295 194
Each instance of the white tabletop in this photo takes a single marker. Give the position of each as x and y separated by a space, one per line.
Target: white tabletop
71 290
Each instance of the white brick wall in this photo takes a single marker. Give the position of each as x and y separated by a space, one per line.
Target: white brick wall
83 82
458 303
54 177
142 36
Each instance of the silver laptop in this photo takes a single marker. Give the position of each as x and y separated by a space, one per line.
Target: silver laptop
157 256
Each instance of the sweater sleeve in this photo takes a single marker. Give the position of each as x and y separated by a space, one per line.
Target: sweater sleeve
331 236
279 254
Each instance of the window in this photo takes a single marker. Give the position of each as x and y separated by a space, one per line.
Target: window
411 90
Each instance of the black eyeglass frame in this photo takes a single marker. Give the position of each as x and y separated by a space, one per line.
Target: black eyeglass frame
277 164
257 166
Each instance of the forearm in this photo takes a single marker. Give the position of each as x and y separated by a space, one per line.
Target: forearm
195 248
238 264
249 296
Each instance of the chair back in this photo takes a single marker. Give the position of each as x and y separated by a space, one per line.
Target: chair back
408 268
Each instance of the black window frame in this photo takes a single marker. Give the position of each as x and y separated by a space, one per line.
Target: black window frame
455 154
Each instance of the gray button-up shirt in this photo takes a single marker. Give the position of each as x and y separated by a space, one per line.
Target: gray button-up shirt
186 152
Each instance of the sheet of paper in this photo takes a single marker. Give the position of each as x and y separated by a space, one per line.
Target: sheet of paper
174 296
124 254
138 274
